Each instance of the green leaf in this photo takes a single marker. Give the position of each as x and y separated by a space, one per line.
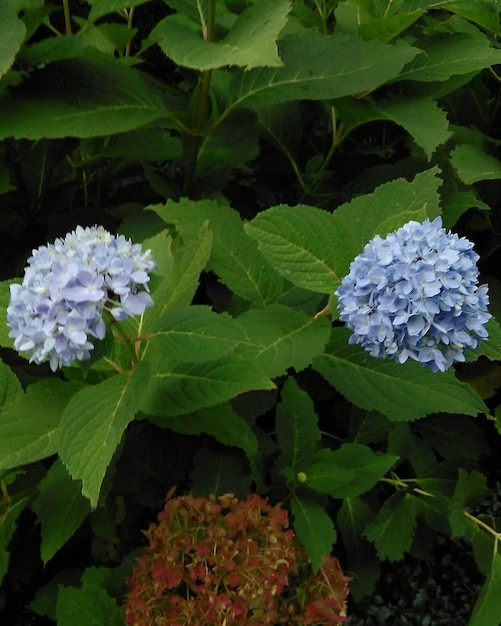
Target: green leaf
470 488
251 42
196 333
279 338
473 164
319 68
99 8
374 20
234 258
230 145
178 388
403 392
491 347
348 471
13 33
390 206
481 12
10 387
314 529
487 610
392 531
296 426
8 521
421 118
93 424
79 98
304 244
353 517
179 276
88 606
60 508
220 472
221 422
29 424
446 55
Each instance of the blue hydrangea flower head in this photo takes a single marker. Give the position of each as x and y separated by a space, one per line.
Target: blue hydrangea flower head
415 295
68 286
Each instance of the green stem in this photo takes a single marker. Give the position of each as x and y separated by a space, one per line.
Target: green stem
67 16
122 336
193 142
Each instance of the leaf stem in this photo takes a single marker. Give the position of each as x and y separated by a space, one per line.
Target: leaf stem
192 145
67 17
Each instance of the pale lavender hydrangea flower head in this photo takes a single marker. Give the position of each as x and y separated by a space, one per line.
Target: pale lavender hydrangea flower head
415 294
67 287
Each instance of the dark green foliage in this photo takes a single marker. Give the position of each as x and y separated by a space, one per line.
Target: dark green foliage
255 147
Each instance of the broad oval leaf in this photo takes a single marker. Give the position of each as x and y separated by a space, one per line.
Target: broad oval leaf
251 42
349 471
86 97
178 388
320 68
304 244
195 333
402 392
93 424
29 424
13 33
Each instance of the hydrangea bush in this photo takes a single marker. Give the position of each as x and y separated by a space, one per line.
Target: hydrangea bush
225 561
288 299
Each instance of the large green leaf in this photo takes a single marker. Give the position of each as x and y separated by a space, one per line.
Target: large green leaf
348 471
7 529
314 528
487 610
99 8
86 97
251 42
179 275
93 424
178 388
60 508
421 117
446 55
473 164
308 246
279 338
29 425
392 531
196 333
10 386
296 426
13 33
319 68
402 392
353 517
221 422
234 258
390 206
89 605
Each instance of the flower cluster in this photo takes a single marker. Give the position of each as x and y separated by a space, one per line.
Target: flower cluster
224 561
415 294
67 287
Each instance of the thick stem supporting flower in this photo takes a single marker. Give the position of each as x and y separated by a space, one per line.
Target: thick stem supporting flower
121 335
